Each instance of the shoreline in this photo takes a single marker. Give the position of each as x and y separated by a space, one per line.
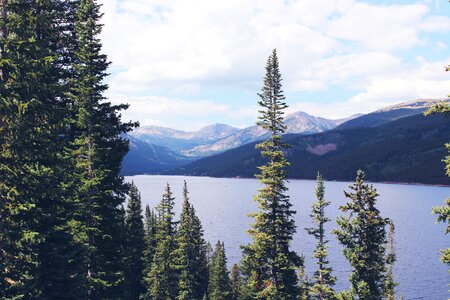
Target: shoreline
308 179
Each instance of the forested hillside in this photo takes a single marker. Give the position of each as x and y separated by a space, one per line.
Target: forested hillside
406 150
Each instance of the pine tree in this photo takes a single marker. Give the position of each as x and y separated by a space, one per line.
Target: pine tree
162 279
219 281
39 256
443 212
236 282
363 234
135 245
97 152
390 283
150 239
323 281
190 253
269 264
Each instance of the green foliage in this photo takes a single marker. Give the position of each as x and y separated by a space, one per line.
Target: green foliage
219 281
135 246
150 239
363 234
269 264
323 281
97 152
190 255
163 279
39 256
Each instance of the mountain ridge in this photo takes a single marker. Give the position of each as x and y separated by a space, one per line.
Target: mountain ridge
407 150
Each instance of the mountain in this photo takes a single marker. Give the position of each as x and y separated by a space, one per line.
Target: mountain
390 113
298 122
409 149
343 120
179 140
145 158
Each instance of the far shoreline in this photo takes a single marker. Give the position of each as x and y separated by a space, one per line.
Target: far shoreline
303 179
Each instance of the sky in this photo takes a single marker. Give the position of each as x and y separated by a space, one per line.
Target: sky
187 64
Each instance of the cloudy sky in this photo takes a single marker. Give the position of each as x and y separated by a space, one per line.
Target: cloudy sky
187 64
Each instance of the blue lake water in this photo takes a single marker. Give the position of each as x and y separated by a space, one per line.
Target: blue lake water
223 204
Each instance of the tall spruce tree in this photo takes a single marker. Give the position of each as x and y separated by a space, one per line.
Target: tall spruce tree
163 279
269 263
38 252
363 234
219 281
135 246
443 212
190 254
97 153
323 281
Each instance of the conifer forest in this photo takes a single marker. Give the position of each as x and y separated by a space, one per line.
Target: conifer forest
72 227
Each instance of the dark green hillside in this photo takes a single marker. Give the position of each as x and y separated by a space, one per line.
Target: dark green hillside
406 150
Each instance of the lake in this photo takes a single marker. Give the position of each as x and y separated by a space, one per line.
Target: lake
223 204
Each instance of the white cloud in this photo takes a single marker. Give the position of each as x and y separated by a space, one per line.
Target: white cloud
149 109
177 48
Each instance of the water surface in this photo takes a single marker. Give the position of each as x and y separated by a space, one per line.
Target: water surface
223 204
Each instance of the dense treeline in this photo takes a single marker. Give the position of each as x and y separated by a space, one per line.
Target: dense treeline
72 228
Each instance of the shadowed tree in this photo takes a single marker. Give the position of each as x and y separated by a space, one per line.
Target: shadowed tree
135 245
97 153
39 256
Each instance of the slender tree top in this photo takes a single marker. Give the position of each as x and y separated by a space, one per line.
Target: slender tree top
272 98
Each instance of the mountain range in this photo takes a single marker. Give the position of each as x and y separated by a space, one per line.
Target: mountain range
217 138
374 142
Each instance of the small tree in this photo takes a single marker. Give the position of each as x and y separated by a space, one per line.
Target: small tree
134 255
219 280
322 282
363 234
236 282
190 254
163 281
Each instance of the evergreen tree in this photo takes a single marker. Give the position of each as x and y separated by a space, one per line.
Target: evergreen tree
150 239
190 253
236 282
443 212
269 263
363 234
162 279
97 152
39 255
219 280
323 281
135 245
390 283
